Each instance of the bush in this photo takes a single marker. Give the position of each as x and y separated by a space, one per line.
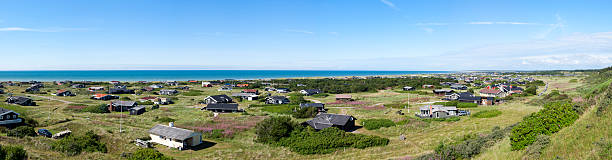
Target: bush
534 150
547 121
531 90
487 114
102 108
164 119
297 98
306 112
73 144
468 147
320 95
125 98
372 124
449 119
271 129
466 105
146 103
450 103
22 131
13 153
328 140
280 109
148 154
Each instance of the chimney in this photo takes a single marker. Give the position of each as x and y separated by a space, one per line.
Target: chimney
171 124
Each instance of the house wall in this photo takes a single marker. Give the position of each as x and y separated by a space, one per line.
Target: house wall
166 142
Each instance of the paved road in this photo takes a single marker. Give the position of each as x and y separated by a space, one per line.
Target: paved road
545 89
50 98
314 100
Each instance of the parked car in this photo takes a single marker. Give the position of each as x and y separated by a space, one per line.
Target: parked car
44 132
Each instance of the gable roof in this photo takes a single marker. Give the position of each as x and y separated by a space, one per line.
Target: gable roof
4 111
490 91
223 106
171 132
344 96
221 98
277 97
124 103
318 105
325 120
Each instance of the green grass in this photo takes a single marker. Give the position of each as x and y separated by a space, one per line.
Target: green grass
279 109
487 114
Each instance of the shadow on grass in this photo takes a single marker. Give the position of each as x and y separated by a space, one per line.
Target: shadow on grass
353 128
203 145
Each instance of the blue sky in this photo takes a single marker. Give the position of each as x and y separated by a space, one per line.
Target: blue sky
305 34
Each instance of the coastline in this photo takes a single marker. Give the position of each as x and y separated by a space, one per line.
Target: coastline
184 75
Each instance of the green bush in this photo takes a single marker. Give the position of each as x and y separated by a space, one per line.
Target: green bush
531 90
320 95
125 98
13 153
450 103
22 131
328 140
146 103
466 105
148 154
297 98
102 108
164 119
306 112
373 124
272 129
469 147
75 144
487 114
547 121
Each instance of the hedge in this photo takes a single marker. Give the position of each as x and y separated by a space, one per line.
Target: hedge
547 121
75 144
373 124
328 140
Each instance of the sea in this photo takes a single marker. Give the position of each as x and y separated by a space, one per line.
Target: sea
183 75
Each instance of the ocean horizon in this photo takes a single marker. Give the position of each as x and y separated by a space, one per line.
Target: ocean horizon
182 75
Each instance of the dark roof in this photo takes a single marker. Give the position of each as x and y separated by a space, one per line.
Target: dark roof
318 105
223 106
325 120
221 98
19 99
171 132
137 108
124 103
3 111
277 97
312 91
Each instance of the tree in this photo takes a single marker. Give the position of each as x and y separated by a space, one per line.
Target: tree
22 131
271 129
148 154
306 112
531 90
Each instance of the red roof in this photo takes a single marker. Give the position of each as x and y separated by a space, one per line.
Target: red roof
489 91
344 96
100 95
148 98
249 90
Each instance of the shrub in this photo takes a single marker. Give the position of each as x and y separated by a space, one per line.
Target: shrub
148 154
328 140
547 121
468 147
270 130
22 131
531 90
146 103
487 114
164 119
125 98
297 98
449 119
320 95
306 112
13 153
450 103
466 105
534 150
372 124
102 108
75 144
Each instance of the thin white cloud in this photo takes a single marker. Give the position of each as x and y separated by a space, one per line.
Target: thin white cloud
428 30
333 33
388 3
299 31
558 26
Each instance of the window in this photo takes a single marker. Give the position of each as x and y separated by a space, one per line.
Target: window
14 116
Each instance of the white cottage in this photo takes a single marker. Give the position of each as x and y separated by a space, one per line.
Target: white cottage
174 137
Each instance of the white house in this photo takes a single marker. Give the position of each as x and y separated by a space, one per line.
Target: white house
174 137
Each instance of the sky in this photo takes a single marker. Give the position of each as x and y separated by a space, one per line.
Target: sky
424 35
